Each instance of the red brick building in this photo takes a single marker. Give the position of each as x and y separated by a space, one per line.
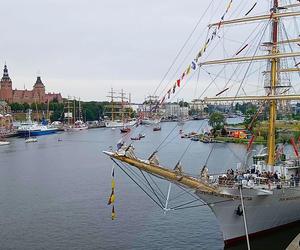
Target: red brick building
36 95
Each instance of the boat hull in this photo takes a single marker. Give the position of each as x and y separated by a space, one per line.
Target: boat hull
263 212
4 143
111 124
150 121
75 129
26 133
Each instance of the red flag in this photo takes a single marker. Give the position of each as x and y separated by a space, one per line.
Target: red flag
178 82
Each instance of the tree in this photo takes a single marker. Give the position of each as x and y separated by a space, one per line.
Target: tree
183 104
26 106
216 120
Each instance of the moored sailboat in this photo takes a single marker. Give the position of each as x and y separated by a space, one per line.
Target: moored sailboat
78 123
119 110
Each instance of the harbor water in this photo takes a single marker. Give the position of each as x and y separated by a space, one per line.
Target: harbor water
54 194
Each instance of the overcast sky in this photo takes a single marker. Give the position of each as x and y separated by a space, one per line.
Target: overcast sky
84 47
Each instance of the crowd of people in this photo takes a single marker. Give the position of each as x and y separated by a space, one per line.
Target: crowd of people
254 175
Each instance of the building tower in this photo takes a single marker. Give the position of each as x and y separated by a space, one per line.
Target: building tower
6 92
39 91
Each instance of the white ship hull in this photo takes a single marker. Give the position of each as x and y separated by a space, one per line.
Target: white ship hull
263 212
150 121
75 129
4 143
117 124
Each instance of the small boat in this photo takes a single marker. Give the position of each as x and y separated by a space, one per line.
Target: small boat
150 121
78 126
31 139
137 138
125 130
189 135
195 138
206 139
3 143
157 128
118 124
142 136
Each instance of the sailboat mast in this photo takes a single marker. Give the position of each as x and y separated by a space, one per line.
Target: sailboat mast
122 106
274 79
74 107
79 111
112 105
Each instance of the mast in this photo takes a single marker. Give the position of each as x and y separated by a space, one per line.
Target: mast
79 111
122 105
69 114
112 104
48 113
74 111
37 111
129 103
273 83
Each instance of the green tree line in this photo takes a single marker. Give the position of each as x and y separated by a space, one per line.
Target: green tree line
90 111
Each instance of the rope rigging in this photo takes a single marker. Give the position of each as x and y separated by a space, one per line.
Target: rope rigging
158 201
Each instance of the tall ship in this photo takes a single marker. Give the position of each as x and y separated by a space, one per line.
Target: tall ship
74 117
149 111
119 111
263 194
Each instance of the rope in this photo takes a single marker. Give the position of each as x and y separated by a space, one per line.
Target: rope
165 138
184 152
209 154
140 178
183 46
137 184
184 204
152 189
205 204
157 187
251 62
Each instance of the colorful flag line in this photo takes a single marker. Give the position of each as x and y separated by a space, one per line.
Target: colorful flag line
193 65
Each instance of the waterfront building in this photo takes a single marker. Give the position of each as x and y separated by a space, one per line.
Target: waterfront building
36 95
198 105
174 110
